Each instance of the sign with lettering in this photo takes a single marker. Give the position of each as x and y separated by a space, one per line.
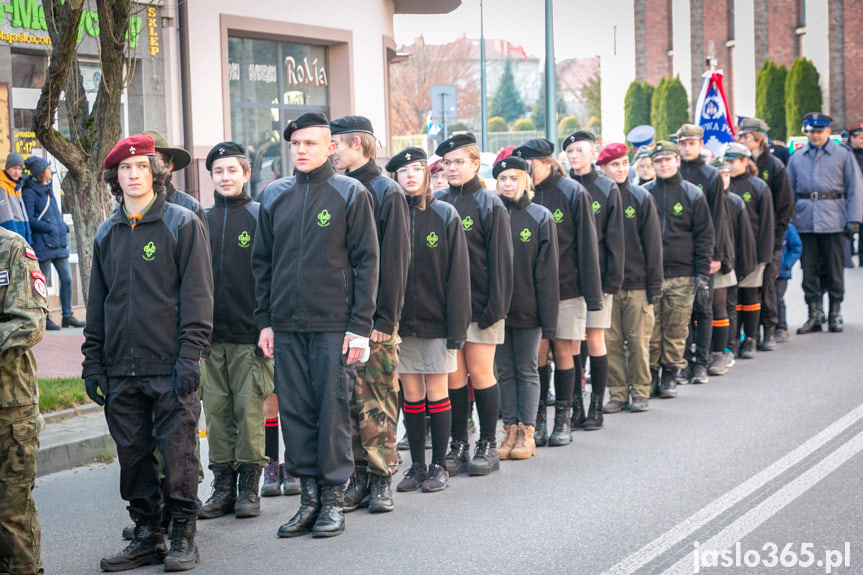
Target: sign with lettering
304 74
153 30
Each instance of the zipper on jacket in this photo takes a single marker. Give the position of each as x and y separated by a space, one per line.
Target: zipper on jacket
300 255
413 260
222 259
131 283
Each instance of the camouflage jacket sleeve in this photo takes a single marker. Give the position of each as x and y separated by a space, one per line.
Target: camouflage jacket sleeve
22 295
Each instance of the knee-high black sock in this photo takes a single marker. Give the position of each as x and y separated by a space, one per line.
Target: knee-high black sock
750 322
564 382
487 406
579 371
720 334
415 425
271 438
544 380
598 374
460 406
583 354
441 421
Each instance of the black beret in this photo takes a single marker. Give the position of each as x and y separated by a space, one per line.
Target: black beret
578 136
455 142
307 120
536 148
405 157
350 124
225 150
511 163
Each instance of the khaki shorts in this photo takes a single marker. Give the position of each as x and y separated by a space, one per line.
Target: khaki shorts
601 318
426 355
493 335
571 319
725 280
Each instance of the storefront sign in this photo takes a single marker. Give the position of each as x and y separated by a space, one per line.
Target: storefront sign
153 31
304 75
25 142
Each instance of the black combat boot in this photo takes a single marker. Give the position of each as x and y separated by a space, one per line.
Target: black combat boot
248 501
816 318
540 436
769 341
224 496
147 548
594 415
71 321
272 480
184 551
834 317
668 383
380 494
562 433
578 416
305 517
357 492
331 519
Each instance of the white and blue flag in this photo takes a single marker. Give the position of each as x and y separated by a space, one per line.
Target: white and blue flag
711 113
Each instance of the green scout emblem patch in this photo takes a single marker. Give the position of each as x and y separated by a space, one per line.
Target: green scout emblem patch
467 224
324 218
525 235
629 212
746 197
431 240
678 209
150 252
245 239
701 187
558 216
596 207
764 174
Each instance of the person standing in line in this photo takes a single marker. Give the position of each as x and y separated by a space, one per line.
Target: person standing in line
791 250
13 212
176 159
486 227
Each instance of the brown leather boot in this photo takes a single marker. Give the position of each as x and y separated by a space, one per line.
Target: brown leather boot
508 442
525 447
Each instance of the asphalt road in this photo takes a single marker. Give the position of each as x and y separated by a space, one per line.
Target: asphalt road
767 457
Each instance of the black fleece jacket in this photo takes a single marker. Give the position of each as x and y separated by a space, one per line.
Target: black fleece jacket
391 217
687 229
605 204
536 290
708 180
486 227
233 223
772 171
151 293
578 269
745 255
437 298
181 198
759 205
643 270
315 256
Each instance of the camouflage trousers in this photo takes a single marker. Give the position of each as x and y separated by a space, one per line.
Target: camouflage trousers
20 532
374 409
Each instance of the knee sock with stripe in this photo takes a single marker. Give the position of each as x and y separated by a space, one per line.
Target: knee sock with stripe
441 421
271 438
415 425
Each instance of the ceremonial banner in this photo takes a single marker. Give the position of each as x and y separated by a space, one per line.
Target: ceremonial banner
711 113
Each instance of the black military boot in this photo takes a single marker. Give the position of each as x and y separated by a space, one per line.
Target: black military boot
578 416
71 321
834 317
562 433
668 383
147 548
816 318
768 343
184 551
331 519
305 517
357 492
540 436
380 494
224 496
594 415
248 501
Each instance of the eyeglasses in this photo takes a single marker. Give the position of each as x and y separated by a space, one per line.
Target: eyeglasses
457 163
411 170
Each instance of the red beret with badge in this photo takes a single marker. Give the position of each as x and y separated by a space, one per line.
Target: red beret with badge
610 153
138 145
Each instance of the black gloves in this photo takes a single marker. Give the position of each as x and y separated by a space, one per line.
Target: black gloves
454 343
702 291
851 228
653 298
94 383
187 375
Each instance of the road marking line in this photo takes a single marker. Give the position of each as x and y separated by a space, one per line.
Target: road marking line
708 513
753 518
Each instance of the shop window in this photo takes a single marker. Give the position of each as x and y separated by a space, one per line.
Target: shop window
28 70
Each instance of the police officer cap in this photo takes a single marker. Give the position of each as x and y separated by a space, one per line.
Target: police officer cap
405 157
747 125
854 130
610 153
455 142
736 150
225 150
579 136
689 132
535 148
641 135
350 124
663 148
814 121
307 120
511 163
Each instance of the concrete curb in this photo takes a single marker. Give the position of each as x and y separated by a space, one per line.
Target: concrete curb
74 437
55 416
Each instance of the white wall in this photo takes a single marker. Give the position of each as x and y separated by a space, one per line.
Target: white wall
617 62
816 45
682 43
744 58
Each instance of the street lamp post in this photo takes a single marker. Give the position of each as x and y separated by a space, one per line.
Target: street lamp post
483 108
550 79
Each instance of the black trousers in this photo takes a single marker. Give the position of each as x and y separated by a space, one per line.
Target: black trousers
314 386
769 304
144 412
700 332
823 262
733 329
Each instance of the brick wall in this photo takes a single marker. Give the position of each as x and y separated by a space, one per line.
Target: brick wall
718 28
853 57
783 18
659 39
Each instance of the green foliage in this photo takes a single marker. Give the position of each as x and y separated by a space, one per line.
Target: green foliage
770 98
458 127
497 124
567 125
591 95
802 94
658 110
669 107
524 125
538 114
648 91
61 393
506 101
636 105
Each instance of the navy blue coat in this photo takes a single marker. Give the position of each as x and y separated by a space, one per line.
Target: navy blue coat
50 231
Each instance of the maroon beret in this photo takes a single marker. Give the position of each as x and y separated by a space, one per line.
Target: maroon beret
139 145
610 153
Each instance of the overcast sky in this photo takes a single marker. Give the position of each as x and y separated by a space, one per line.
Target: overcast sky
576 35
